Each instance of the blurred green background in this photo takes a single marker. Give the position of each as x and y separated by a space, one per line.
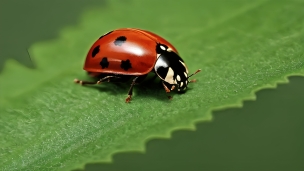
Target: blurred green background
266 134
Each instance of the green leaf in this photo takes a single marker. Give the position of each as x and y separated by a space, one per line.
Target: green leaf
266 134
49 123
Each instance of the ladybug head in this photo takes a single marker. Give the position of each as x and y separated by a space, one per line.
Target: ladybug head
171 68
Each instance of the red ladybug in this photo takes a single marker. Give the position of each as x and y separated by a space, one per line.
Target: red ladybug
128 52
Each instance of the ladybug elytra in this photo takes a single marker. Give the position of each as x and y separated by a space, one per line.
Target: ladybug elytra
125 53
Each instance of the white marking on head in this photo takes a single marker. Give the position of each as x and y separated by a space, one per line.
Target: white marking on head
186 75
178 78
162 47
181 84
169 76
169 50
184 66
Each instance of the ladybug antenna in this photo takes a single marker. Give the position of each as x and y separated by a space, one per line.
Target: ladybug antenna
199 70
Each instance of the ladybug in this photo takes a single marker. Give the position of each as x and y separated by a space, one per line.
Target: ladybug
128 53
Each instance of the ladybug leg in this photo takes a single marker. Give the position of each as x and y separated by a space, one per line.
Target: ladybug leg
167 90
128 99
192 81
92 82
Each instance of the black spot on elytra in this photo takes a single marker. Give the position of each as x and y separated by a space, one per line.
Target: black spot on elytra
159 50
126 64
105 34
95 51
104 63
120 40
